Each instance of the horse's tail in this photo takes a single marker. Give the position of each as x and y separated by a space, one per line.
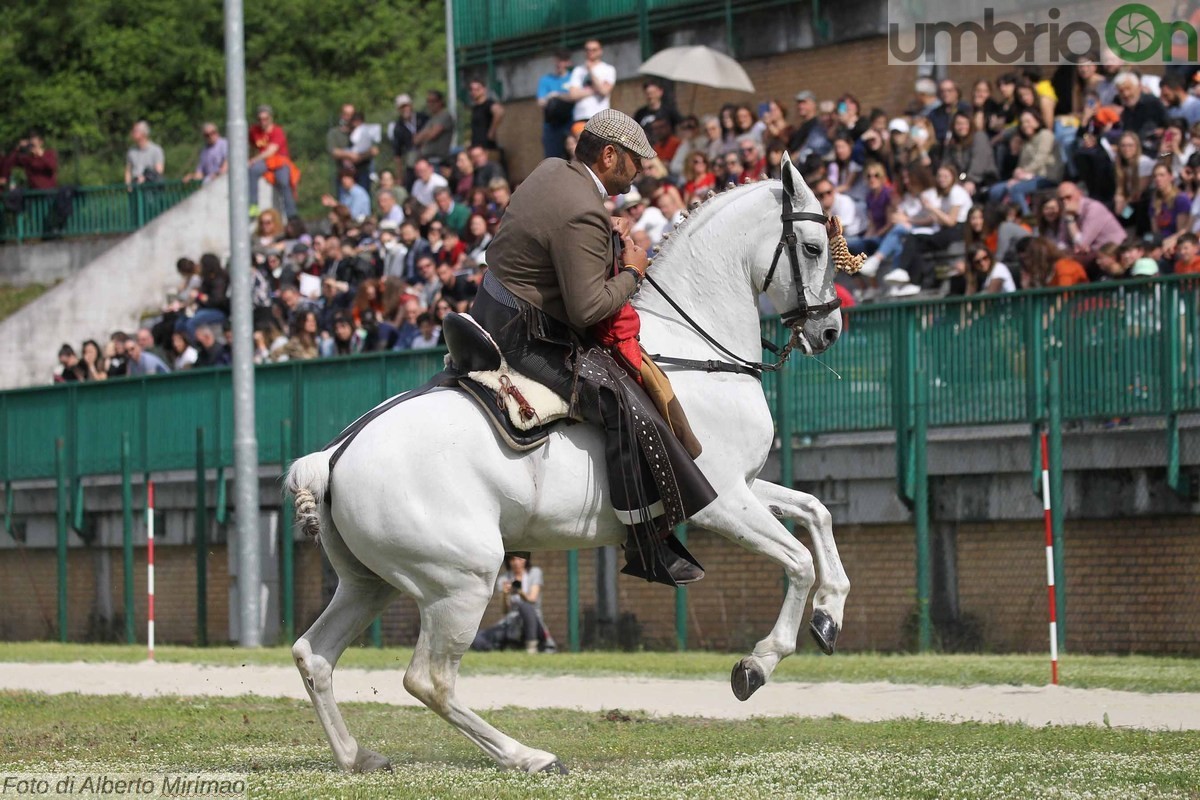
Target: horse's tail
307 480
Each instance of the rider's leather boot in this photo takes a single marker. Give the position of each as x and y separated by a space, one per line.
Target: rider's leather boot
659 557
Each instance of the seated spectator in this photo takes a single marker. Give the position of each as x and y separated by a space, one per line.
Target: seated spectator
1170 209
715 146
1187 254
210 349
464 174
808 136
1043 264
1108 261
389 209
212 300
984 274
268 233
843 170
836 204
880 203
213 160
1131 261
453 250
947 205
117 362
367 298
484 170
478 237
1086 224
184 355
454 288
39 163
1093 165
950 103
351 195
691 141
970 152
700 179
143 362
302 339
1133 170
1048 218
427 334
427 181
663 139
448 212
1142 114
345 339
70 370
520 585
501 194
644 216
92 361
851 122
1039 165
907 214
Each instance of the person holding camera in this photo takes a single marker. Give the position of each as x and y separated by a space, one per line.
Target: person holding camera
520 587
39 163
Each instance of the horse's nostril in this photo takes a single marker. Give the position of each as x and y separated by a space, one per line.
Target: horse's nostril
830 335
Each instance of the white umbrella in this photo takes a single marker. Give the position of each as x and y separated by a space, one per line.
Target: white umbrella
698 64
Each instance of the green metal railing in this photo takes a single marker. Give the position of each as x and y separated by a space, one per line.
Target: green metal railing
90 210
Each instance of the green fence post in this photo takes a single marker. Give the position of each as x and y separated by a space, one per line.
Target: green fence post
647 46
1054 435
221 506
573 600
921 513
127 536
681 600
377 633
60 468
286 539
903 399
8 509
1171 379
201 544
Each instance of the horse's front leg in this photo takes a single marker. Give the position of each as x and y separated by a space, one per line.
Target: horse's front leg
738 515
829 600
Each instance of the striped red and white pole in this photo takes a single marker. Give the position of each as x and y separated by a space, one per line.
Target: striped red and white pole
150 568
1049 560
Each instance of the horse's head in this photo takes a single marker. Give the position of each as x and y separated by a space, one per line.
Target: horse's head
796 269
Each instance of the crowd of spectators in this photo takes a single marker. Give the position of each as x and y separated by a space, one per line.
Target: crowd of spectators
1088 173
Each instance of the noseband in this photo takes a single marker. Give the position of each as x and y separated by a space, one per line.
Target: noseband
787 243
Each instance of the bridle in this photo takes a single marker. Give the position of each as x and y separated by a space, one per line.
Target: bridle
787 243
791 319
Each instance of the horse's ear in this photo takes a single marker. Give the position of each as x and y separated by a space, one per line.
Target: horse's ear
793 181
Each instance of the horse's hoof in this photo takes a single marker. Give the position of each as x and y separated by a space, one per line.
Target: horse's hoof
370 761
555 767
824 631
747 678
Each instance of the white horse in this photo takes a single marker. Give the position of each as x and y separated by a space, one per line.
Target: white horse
425 500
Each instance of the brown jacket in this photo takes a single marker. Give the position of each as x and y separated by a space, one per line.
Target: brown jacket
554 248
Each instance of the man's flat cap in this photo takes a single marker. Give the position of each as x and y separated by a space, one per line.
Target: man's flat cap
613 126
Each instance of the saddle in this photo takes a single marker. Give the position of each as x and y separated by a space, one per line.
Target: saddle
520 409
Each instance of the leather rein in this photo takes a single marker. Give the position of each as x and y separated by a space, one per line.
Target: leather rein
803 311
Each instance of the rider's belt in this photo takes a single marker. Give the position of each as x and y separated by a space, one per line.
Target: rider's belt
493 286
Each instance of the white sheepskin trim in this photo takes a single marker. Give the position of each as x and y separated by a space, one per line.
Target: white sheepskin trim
546 403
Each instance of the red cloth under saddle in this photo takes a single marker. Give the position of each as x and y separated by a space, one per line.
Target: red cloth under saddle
619 334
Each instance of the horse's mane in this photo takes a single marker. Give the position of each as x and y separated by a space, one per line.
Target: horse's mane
699 215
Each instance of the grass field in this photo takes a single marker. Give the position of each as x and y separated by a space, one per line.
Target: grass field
1131 673
279 744
12 298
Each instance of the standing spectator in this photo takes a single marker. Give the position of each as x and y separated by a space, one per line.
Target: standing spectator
271 160
590 85
210 351
656 106
433 139
213 160
552 97
404 133
1142 113
428 181
145 160
39 163
337 143
486 114
362 151
143 362
484 170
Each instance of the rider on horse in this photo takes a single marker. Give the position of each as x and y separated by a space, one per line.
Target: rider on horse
558 284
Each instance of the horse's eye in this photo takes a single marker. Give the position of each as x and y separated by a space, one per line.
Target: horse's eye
812 249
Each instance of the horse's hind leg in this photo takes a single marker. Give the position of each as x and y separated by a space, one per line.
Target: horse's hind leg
738 515
357 601
448 625
829 600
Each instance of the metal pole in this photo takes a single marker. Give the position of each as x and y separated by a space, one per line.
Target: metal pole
681 600
60 464
377 633
1056 501
201 536
127 536
573 600
1048 515
921 512
286 539
150 569
245 443
451 65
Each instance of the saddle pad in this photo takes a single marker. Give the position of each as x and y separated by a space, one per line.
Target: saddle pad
528 403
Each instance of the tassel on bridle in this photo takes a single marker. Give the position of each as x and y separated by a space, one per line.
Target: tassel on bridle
843 259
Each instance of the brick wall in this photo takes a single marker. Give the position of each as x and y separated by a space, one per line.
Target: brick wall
827 71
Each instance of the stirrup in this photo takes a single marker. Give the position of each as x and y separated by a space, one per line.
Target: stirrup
669 563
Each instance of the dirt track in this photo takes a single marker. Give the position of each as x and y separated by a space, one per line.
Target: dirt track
860 701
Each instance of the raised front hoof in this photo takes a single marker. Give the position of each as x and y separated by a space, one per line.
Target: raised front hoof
747 678
824 631
370 761
555 767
